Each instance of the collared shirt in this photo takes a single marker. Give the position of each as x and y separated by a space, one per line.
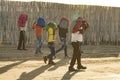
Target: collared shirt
76 37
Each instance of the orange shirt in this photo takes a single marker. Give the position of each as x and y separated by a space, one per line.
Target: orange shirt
38 30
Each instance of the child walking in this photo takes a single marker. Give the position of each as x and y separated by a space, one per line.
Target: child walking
76 38
51 27
38 27
63 30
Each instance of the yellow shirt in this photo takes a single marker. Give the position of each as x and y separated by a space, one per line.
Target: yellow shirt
51 35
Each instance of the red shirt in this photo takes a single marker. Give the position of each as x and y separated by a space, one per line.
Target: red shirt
77 25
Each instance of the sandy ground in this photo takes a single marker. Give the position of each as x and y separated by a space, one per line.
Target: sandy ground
103 63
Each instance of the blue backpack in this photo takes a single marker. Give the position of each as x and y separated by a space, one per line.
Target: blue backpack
41 22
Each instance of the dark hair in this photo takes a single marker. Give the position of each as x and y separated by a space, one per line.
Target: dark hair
79 18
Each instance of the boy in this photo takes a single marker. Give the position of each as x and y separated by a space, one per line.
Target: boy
76 38
22 23
38 31
63 30
51 45
38 27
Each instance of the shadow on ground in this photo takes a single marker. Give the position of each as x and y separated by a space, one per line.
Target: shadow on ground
8 52
8 67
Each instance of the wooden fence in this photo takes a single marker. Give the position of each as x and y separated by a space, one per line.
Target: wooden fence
104 21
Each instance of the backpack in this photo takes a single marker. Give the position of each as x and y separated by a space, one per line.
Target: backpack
41 22
50 24
64 23
22 20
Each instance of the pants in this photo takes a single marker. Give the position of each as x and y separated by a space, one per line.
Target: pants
51 46
22 40
39 44
76 54
63 47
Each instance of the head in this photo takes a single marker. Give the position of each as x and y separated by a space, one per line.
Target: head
79 19
52 25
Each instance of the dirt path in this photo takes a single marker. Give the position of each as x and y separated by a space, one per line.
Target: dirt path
103 63
37 70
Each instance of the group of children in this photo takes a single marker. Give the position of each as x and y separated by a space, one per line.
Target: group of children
51 27
78 28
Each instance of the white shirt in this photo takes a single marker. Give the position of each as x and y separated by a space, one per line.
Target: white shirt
76 37
24 28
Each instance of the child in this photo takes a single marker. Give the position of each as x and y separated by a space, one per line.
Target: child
51 27
22 23
76 38
63 30
38 27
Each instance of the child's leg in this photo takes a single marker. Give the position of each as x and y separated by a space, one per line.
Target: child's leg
52 50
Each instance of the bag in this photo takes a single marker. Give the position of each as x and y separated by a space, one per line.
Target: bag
64 23
41 22
22 20
50 24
